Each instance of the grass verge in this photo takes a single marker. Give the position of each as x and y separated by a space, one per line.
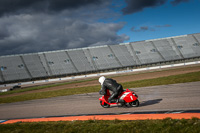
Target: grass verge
85 80
43 87
167 125
182 78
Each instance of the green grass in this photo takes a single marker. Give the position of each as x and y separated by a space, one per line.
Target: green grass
48 94
182 78
80 81
116 126
43 87
189 77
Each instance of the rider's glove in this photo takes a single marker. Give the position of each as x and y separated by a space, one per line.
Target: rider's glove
102 92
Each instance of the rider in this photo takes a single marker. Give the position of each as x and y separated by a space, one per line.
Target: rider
112 85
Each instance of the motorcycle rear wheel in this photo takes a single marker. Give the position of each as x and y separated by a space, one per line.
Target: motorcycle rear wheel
135 103
105 105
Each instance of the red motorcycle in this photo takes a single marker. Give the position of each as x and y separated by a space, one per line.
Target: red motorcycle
126 97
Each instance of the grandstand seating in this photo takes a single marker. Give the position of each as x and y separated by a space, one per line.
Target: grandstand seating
186 46
60 63
146 52
133 54
80 60
89 58
196 46
1 77
167 49
93 59
34 65
13 68
44 63
104 58
123 55
196 37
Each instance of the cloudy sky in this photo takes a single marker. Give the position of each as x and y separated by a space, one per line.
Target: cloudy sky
28 26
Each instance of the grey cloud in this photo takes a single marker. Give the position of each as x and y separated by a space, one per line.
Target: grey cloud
160 26
176 2
149 28
144 28
18 6
27 33
134 6
29 26
141 29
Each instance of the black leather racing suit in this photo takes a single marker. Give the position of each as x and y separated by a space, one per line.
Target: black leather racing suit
113 86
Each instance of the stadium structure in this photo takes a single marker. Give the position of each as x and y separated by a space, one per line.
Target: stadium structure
62 63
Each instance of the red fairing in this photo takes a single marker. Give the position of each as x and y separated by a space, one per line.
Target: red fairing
128 96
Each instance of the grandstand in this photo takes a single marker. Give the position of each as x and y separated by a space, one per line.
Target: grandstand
44 65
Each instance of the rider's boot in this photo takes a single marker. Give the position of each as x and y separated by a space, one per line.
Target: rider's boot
122 102
113 101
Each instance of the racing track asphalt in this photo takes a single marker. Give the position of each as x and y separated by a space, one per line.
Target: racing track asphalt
174 97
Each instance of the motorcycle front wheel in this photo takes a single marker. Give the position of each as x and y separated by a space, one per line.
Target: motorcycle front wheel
105 105
135 103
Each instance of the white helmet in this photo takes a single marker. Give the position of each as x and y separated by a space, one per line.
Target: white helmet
101 79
